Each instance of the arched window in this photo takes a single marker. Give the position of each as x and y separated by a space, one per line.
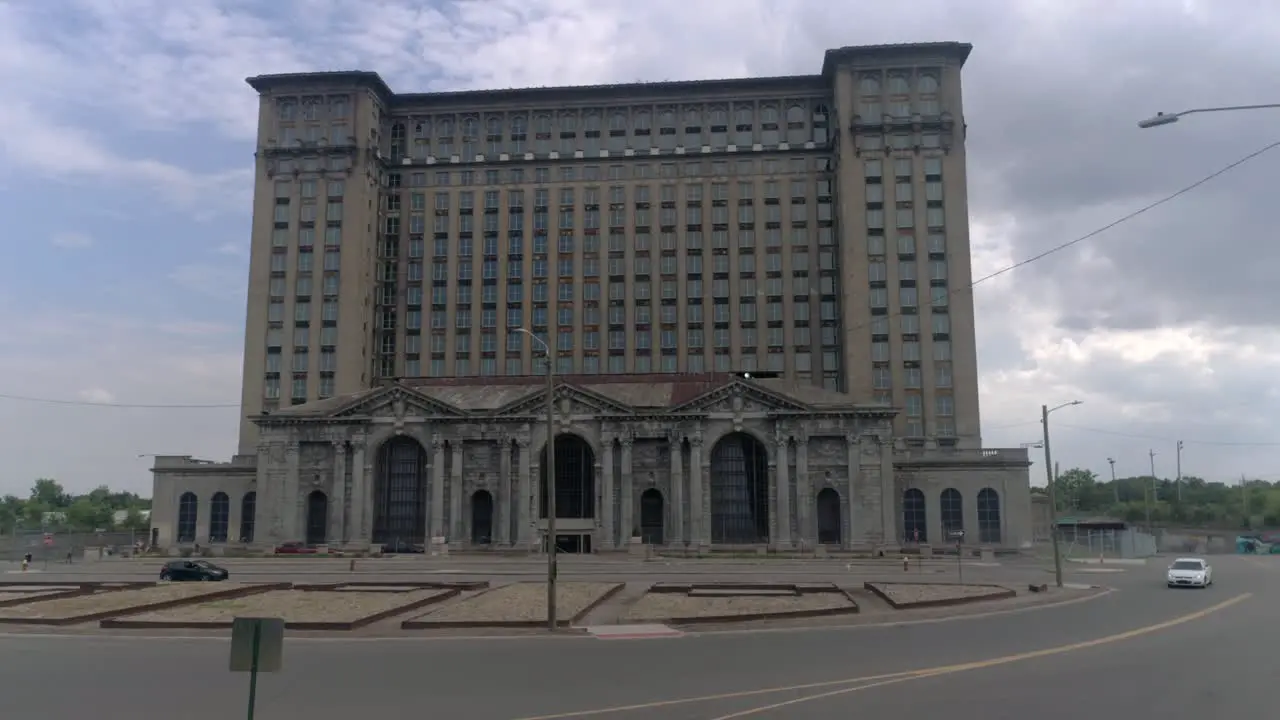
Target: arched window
187 509
988 516
248 511
915 528
219 517
952 509
739 491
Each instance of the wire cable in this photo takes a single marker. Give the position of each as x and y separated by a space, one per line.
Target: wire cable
1137 436
89 403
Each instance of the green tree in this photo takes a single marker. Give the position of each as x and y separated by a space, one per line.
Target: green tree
49 492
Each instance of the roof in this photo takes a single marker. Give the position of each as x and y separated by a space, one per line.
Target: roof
956 52
642 394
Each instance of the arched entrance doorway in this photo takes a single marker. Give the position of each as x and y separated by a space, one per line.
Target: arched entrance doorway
651 516
829 517
739 491
400 496
914 528
575 485
481 518
317 517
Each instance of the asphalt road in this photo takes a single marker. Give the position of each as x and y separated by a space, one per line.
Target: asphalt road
1125 664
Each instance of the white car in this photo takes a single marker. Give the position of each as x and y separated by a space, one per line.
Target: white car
1190 572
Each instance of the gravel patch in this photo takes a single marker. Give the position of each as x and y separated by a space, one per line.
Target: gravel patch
297 606
378 588
28 595
111 601
910 594
520 602
665 606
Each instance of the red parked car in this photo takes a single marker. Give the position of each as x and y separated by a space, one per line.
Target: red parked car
294 548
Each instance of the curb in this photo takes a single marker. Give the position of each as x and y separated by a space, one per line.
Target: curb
417 624
1003 593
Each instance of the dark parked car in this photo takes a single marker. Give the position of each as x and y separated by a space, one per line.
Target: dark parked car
202 570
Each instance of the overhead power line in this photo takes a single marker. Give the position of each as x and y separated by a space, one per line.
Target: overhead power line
1010 268
88 403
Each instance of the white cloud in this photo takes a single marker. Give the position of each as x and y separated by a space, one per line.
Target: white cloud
221 281
71 240
1042 171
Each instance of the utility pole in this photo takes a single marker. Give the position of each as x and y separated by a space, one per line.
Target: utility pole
1053 498
1178 482
1114 486
1244 498
1148 492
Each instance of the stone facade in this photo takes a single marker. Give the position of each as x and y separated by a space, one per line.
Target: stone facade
460 462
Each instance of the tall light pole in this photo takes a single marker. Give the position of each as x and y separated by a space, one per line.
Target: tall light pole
1053 497
549 467
1162 118
1114 486
1152 491
1178 481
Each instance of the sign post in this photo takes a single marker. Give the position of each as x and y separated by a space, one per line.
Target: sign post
257 645
958 536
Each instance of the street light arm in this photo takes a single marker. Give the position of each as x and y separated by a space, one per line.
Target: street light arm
1163 118
1064 405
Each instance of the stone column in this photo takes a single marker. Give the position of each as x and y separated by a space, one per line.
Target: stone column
361 487
437 489
783 490
698 519
852 530
677 489
204 510
291 505
503 510
889 496
627 516
606 492
804 493
338 497
524 496
263 514
455 495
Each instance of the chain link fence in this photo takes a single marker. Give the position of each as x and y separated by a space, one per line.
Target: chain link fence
56 547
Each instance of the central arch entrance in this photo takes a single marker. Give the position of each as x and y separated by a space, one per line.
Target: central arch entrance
400 496
481 518
651 512
829 517
575 487
317 517
739 491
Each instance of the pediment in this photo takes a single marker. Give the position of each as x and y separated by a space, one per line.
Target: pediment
399 402
740 397
568 400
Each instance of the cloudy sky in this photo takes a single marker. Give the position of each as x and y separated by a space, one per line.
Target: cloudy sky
126 142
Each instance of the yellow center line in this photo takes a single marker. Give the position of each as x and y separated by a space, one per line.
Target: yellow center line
888 678
1008 659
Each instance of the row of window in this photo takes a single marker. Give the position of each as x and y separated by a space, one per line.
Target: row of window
915 516
219 517
575 172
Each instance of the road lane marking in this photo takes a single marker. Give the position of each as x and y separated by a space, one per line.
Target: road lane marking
889 678
96 636
993 662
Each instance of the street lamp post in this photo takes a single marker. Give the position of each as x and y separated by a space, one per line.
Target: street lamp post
1114 486
1163 118
549 467
1053 497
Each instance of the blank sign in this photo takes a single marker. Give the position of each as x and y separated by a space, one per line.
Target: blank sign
269 634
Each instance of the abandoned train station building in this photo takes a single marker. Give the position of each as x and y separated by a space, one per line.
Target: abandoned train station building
688 461
420 261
